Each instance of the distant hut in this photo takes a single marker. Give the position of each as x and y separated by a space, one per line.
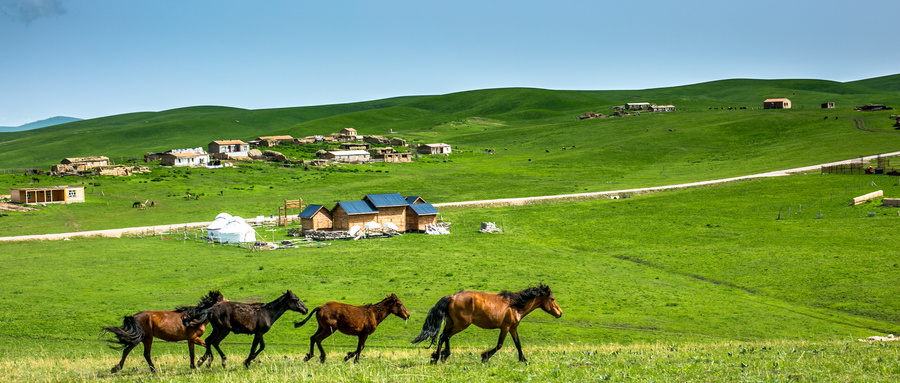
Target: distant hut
316 217
828 105
777 103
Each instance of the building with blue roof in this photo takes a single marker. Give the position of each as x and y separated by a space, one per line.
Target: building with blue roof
316 217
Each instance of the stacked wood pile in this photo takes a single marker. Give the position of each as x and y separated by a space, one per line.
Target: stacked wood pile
870 196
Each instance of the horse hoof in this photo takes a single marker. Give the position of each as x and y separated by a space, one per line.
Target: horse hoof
307 358
434 361
115 369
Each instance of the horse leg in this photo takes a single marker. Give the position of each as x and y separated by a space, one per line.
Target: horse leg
515 335
489 353
208 353
359 347
257 341
125 352
148 343
314 340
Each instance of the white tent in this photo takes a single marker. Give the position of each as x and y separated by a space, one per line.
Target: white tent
237 230
212 231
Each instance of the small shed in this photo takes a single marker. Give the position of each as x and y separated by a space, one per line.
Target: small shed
347 156
414 199
349 132
637 105
48 194
352 213
828 105
777 103
391 208
434 149
316 217
418 215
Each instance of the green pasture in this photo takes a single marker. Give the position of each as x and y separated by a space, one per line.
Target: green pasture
722 287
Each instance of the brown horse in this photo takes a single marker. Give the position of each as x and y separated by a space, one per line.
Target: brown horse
485 310
351 320
244 318
165 325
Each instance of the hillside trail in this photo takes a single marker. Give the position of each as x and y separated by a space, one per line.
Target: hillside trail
151 230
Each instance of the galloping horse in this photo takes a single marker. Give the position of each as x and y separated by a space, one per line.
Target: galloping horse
244 318
351 320
165 325
485 310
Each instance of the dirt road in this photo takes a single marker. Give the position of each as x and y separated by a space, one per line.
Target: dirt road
483 203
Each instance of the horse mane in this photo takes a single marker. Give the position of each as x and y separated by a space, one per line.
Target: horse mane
519 299
192 316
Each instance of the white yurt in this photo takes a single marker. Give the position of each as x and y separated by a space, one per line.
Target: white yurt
237 230
212 231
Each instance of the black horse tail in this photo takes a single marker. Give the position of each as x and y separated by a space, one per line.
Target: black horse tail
128 335
303 322
433 320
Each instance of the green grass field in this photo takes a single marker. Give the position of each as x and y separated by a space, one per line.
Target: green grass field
762 280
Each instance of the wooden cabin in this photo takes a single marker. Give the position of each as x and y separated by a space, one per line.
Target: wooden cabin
316 217
352 213
391 208
418 215
48 194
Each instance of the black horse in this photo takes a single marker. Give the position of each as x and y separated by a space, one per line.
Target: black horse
244 318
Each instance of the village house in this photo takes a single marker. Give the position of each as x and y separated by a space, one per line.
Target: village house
393 157
316 217
828 105
355 146
434 149
352 213
777 103
637 105
349 133
184 157
347 156
269 141
48 194
391 209
420 215
662 108
228 149
79 164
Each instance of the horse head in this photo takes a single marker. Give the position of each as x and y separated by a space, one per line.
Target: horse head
397 307
549 304
294 303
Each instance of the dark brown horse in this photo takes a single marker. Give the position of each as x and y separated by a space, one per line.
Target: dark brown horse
165 325
244 318
485 310
351 320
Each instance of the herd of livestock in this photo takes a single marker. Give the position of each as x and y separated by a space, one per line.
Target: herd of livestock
455 312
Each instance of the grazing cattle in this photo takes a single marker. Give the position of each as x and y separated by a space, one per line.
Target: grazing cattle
485 310
351 320
136 204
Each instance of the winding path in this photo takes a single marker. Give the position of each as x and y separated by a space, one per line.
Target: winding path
482 203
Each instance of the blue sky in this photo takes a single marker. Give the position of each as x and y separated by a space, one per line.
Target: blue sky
94 58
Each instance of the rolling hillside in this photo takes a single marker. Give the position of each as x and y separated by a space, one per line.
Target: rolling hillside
132 135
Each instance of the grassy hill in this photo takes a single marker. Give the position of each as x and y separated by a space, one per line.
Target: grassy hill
132 135
758 280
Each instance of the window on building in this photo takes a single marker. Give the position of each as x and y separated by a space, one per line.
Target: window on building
72 193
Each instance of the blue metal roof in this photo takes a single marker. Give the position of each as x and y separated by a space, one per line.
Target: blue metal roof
386 200
423 209
412 198
310 211
357 207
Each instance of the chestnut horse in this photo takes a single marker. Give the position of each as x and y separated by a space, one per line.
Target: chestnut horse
244 318
485 310
165 325
351 320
